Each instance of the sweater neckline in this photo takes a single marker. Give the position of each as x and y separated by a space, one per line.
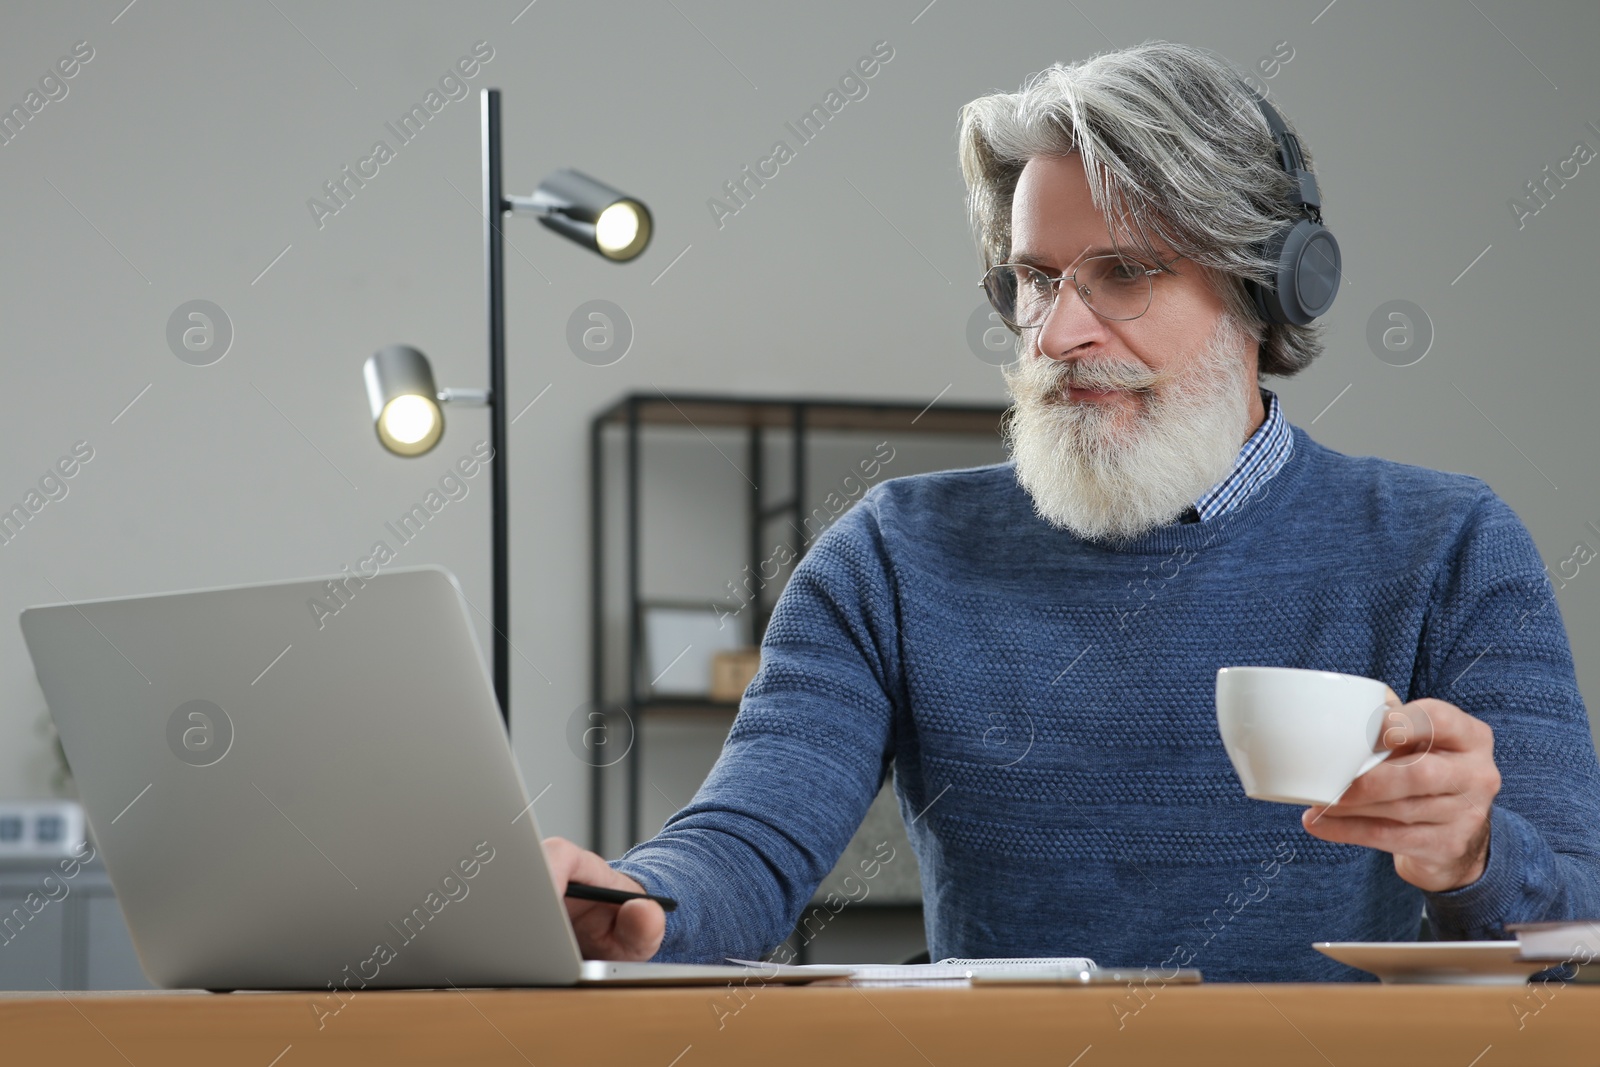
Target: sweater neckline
1266 501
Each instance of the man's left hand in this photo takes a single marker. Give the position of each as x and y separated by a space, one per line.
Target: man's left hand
1428 803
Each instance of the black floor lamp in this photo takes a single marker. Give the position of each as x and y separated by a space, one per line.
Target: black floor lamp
405 403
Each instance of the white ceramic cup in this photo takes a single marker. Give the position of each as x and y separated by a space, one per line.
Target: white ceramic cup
1299 736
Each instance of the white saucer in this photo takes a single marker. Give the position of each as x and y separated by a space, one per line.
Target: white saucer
1437 962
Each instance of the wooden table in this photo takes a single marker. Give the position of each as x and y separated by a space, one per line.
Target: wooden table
1067 1027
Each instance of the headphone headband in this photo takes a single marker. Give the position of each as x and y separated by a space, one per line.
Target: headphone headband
1307 255
1292 160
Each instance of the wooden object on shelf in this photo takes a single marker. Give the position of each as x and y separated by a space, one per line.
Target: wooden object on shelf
731 672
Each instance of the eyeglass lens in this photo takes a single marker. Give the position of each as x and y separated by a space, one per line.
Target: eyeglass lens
1112 286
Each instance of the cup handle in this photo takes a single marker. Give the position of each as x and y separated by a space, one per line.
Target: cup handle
1373 760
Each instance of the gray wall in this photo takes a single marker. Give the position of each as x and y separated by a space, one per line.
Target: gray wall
179 164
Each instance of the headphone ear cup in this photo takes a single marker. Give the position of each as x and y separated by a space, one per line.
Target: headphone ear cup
1307 276
1258 295
1265 296
1308 272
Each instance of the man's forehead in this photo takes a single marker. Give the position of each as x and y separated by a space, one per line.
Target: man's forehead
1042 252
1054 220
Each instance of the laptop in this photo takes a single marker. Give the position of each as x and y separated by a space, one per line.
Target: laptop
308 785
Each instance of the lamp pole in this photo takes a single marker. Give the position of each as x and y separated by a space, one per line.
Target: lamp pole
494 208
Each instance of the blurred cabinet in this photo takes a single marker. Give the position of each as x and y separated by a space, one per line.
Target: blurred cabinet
63 933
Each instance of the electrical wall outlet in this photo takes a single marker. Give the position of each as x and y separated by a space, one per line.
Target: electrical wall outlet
40 827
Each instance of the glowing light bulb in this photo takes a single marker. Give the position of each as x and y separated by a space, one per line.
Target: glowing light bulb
409 419
617 227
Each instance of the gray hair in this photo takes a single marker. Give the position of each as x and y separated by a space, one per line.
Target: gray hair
1172 144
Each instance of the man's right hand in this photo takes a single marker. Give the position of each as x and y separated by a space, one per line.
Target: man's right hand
631 931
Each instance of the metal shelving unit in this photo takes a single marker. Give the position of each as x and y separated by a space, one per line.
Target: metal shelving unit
800 420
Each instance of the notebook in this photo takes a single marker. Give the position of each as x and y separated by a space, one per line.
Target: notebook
953 970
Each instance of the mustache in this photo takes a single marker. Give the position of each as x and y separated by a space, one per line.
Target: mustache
1046 377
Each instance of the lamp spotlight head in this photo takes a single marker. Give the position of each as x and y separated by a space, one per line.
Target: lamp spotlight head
593 214
404 402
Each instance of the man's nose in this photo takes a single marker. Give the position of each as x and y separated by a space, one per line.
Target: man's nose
1069 325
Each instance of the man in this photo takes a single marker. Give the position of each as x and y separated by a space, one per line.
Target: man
1032 646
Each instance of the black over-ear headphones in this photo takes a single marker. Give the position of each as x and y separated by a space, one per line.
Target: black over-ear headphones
1305 250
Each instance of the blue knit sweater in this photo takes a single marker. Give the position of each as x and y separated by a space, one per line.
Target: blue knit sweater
1046 706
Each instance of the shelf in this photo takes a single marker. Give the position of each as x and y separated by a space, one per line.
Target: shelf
821 413
798 422
688 703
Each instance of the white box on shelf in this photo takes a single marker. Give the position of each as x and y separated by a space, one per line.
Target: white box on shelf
40 828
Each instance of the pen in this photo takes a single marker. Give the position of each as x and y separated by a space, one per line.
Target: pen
615 896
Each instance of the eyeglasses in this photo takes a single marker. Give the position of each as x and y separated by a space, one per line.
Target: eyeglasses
1113 287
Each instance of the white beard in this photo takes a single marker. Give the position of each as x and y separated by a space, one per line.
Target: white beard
1088 475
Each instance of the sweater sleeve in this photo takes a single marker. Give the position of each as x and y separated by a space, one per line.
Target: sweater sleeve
806 755
1495 646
